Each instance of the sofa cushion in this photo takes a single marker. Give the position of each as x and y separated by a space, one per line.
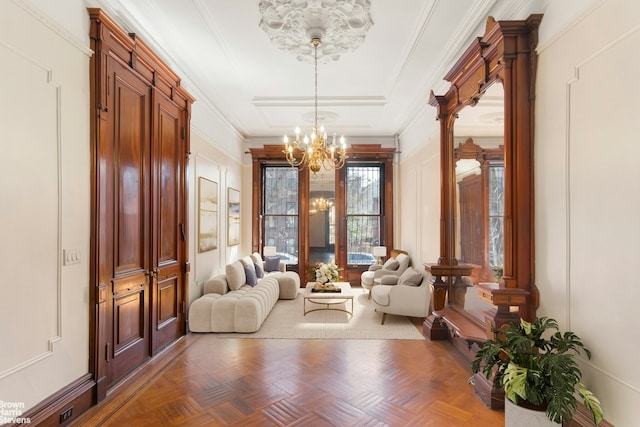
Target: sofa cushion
272 263
259 270
410 277
216 285
288 282
235 275
391 264
380 294
250 275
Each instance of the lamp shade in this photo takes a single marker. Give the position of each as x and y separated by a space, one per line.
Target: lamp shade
379 251
269 250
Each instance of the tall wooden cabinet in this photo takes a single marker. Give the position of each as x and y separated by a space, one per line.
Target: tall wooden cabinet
139 250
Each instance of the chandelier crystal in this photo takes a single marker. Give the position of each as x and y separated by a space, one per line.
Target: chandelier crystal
316 152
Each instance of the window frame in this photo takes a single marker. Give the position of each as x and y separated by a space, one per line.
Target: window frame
380 210
264 215
272 154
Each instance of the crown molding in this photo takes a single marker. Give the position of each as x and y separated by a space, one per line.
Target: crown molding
54 26
325 101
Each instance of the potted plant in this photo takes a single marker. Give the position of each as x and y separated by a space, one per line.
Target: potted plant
538 372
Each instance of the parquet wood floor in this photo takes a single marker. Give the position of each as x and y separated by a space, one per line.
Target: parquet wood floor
206 381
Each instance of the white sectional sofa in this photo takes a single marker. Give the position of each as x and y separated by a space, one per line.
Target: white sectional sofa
239 300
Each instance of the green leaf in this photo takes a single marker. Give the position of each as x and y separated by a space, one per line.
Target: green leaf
515 382
591 402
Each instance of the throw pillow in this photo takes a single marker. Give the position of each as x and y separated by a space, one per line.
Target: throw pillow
391 264
250 272
235 275
272 263
247 262
403 260
410 277
256 257
259 270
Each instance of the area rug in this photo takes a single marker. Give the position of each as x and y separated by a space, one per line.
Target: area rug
286 320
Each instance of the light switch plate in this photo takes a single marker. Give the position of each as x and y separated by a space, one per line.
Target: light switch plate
71 256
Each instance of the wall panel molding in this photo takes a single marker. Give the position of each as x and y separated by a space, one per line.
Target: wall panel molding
43 106
599 206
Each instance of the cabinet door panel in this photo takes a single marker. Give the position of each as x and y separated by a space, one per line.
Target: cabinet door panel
129 103
170 159
168 306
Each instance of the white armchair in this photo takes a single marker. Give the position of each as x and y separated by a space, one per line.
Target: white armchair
407 295
394 266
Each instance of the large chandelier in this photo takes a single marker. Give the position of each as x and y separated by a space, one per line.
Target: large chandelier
316 152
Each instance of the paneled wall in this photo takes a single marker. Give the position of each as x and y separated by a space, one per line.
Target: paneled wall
587 201
208 161
418 190
44 183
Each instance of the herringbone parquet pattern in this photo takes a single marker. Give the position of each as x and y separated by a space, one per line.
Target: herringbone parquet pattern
205 381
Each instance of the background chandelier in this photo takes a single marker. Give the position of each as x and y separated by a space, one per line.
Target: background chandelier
341 24
322 204
316 152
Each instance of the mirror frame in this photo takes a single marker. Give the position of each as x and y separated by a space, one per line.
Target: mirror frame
505 55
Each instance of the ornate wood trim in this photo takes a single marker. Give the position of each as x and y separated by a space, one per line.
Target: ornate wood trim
504 54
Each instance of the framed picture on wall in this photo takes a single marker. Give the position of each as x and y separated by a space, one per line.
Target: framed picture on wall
233 218
207 215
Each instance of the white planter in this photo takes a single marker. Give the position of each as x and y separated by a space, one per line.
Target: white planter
517 416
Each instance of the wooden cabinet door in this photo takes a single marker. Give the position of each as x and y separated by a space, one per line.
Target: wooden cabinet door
168 239
126 156
139 236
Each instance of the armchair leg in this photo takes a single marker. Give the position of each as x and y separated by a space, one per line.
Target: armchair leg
369 296
384 317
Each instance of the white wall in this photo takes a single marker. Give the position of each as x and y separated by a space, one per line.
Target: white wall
418 191
587 228
208 161
44 131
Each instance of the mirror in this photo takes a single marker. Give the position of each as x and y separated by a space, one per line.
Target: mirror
479 170
503 57
322 217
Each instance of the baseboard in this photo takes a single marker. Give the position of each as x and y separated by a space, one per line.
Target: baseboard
76 397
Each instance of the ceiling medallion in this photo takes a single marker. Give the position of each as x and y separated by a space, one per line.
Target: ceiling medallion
340 24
